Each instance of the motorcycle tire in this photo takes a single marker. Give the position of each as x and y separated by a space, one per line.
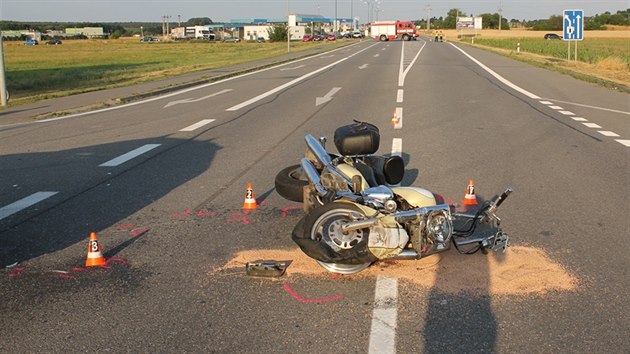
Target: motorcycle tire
290 183
319 235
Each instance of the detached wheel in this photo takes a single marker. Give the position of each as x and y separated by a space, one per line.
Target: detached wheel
290 183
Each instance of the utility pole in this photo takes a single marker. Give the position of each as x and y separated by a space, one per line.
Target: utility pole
500 14
428 10
3 83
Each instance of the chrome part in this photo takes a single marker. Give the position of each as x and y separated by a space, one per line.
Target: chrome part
343 268
418 214
440 226
407 254
313 176
322 140
328 228
377 196
318 150
390 206
386 242
359 224
501 242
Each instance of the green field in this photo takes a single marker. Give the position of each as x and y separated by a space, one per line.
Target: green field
43 71
590 50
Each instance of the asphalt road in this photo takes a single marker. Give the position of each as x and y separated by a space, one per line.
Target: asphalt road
162 182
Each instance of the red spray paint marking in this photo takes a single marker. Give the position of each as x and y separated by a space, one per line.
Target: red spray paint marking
121 261
125 227
206 213
285 211
238 216
139 232
66 276
303 300
182 215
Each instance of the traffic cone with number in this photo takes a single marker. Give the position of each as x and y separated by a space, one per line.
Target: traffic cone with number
395 118
250 199
470 198
94 257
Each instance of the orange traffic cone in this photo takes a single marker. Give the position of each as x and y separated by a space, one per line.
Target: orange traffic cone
250 199
94 256
395 118
470 198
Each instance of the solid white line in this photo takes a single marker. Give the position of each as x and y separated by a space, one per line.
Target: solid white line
546 102
555 107
623 142
567 113
592 125
399 96
399 118
130 155
579 119
24 203
608 133
497 76
384 317
197 125
292 82
594 107
397 147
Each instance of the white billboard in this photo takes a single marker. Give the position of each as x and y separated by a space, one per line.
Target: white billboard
468 23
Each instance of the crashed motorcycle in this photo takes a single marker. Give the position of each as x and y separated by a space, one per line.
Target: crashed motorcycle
357 213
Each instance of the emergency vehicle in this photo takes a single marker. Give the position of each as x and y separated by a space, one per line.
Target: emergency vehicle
386 30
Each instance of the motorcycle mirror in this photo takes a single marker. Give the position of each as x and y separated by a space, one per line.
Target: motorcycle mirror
357 184
322 140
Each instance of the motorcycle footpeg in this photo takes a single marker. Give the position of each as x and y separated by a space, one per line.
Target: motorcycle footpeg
501 242
270 269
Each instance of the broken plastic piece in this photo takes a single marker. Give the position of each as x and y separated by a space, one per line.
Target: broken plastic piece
262 268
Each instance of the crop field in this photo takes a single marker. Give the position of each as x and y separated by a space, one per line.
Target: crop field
43 71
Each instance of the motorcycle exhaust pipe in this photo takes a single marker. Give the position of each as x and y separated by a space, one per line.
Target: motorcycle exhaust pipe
406 254
317 149
313 176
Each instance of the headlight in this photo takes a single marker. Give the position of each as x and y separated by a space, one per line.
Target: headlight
439 226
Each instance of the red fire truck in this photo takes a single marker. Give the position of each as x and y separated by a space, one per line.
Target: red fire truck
386 30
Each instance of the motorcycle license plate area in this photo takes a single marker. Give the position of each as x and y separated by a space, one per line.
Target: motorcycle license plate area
269 269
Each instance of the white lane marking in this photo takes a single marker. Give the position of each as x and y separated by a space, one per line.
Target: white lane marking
363 66
623 142
608 133
130 155
546 102
293 82
384 317
399 96
555 107
579 119
567 113
24 203
193 100
327 97
497 76
197 125
594 107
397 147
592 125
398 118
327 56
376 55
190 89
384 48
293 68
402 75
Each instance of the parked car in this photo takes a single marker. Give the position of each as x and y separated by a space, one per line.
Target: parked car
54 42
357 34
307 38
347 35
231 39
260 39
149 39
31 42
331 37
552 36
319 37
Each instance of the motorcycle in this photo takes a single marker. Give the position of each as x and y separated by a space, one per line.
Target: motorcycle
356 212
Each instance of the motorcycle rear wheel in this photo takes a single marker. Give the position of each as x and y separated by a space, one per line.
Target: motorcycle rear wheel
290 183
343 268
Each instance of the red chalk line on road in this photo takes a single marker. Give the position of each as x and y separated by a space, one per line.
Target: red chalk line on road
297 296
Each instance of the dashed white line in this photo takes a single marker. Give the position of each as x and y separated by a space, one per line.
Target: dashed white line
24 203
399 96
546 102
608 133
567 113
384 317
580 119
623 142
197 125
128 156
555 107
592 125
397 147
398 118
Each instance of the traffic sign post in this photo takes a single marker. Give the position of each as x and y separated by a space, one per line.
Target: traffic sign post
572 29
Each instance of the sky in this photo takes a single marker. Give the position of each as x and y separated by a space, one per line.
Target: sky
225 10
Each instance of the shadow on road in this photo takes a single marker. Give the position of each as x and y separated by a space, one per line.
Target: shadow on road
90 197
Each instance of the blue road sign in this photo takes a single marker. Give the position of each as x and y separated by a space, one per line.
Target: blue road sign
573 25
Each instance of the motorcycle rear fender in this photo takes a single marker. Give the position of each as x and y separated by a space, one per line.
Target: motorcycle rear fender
350 171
